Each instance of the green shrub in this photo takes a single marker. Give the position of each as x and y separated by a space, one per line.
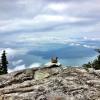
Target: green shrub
95 64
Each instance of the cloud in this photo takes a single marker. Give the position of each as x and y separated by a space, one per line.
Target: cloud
65 1
30 24
46 16
49 18
91 39
87 46
83 45
57 7
24 8
15 63
40 23
16 68
75 44
65 13
13 53
34 65
10 52
21 67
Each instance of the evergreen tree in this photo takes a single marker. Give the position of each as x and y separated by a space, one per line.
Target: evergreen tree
4 63
97 50
1 71
95 64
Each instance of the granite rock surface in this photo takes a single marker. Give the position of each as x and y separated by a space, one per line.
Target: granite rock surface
50 83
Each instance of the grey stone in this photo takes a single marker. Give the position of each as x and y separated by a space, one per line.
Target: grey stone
54 84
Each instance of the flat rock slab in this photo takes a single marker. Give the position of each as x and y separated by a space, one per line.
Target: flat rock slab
50 83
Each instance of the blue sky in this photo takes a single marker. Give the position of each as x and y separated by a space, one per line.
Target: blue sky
27 24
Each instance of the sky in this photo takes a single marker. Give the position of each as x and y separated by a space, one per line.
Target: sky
28 24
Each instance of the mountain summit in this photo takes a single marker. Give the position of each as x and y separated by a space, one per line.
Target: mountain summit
50 83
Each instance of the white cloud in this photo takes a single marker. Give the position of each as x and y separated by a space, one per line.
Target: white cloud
41 21
57 18
21 67
58 7
91 38
17 68
75 44
34 65
15 24
14 63
10 52
83 45
48 38
47 18
88 46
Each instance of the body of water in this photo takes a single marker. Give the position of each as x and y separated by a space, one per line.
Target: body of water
70 54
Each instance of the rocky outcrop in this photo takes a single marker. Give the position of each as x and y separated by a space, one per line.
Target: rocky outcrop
50 83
